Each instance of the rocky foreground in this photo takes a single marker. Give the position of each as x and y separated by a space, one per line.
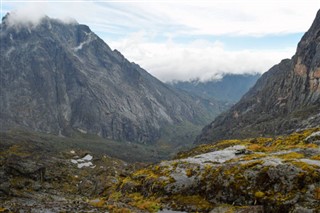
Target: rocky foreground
253 175
38 179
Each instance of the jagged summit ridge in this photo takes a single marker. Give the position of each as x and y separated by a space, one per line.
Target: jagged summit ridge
284 99
60 78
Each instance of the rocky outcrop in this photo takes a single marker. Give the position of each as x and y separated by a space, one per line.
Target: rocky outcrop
34 179
62 78
252 175
284 99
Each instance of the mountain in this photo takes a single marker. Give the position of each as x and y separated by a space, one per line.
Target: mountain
284 99
229 88
61 78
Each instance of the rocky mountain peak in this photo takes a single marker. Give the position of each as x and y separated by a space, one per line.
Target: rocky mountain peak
284 99
307 59
60 77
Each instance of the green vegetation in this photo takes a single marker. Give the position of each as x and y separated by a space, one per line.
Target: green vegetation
131 152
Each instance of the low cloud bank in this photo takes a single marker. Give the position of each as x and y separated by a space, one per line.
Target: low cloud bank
199 59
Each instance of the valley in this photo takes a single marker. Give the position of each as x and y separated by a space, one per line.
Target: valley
83 129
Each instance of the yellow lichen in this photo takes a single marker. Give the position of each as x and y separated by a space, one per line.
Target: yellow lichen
256 148
315 157
196 201
312 171
259 194
116 209
18 150
291 155
149 204
189 172
115 196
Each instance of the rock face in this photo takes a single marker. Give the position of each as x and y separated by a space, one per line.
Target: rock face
285 98
60 77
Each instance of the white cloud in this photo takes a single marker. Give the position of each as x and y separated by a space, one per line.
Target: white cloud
199 59
134 27
216 17
30 14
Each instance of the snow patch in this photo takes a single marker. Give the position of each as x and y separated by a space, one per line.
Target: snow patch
11 49
87 157
74 161
82 131
80 46
84 162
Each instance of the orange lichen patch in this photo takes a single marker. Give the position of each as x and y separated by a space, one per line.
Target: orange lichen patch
316 73
315 157
299 68
97 203
3 209
317 193
314 84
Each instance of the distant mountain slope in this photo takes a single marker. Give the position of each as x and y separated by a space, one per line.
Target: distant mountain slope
230 88
284 99
60 78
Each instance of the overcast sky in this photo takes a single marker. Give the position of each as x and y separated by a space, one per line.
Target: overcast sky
182 40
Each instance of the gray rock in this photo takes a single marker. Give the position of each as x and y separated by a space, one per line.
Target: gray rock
313 138
4 188
26 167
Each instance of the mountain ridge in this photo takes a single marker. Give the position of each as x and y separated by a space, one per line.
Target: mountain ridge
284 99
229 88
60 78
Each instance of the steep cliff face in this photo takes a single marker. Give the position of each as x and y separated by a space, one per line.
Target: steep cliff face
60 77
284 99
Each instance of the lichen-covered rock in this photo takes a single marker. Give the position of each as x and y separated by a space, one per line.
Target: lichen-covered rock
39 180
256 175
313 138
